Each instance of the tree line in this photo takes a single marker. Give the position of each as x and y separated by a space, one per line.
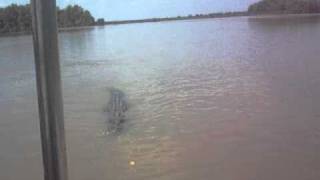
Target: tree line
17 18
190 16
285 6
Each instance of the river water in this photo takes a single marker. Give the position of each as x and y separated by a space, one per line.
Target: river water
227 99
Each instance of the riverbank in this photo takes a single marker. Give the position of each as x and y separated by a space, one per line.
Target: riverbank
282 15
218 15
152 20
189 17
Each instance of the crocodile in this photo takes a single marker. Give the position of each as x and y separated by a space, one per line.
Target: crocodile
116 109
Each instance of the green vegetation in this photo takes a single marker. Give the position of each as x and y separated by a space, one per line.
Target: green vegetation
285 6
74 16
17 18
100 22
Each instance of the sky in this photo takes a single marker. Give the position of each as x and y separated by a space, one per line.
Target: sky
139 9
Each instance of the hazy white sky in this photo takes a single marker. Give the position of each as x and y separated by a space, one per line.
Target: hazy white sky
137 9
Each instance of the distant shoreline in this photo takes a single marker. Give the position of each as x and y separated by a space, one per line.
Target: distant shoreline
282 15
190 17
153 20
226 15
